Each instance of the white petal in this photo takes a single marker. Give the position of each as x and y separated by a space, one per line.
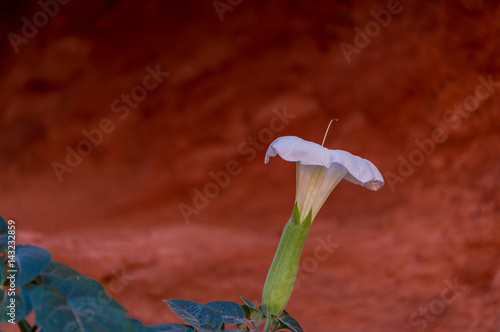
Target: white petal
360 171
293 148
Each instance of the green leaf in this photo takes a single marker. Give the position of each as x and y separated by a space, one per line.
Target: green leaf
206 328
17 310
54 312
4 229
291 324
3 271
73 284
29 262
77 288
195 314
231 312
25 295
252 313
138 326
248 303
57 270
86 288
170 327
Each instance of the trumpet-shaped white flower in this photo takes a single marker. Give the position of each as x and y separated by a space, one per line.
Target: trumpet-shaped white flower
320 169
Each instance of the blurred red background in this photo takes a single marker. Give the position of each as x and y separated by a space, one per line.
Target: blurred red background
118 116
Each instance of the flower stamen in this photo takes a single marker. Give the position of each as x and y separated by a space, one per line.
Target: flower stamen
327 129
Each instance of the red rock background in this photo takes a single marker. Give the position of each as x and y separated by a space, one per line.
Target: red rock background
116 216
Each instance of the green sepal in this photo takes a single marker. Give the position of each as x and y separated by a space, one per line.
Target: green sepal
283 271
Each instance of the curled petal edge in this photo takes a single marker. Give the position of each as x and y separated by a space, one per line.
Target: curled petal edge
359 171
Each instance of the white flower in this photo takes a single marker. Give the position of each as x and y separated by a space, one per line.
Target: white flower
320 169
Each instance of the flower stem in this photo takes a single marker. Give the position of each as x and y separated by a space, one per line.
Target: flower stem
269 323
24 326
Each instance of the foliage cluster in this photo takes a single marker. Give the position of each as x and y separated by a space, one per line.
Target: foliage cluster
62 299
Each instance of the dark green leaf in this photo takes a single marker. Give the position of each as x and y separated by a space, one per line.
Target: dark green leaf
16 310
54 312
73 285
231 312
3 271
252 313
248 303
25 295
88 289
170 327
29 262
291 323
138 326
205 328
58 270
195 314
4 229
